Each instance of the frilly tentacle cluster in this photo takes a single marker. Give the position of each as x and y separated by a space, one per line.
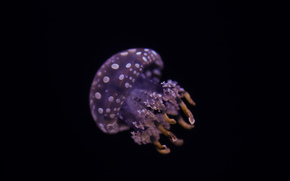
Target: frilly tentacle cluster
153 107
171 90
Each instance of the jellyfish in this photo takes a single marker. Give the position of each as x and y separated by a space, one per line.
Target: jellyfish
126 93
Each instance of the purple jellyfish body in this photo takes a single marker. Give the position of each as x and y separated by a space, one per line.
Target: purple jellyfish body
126 93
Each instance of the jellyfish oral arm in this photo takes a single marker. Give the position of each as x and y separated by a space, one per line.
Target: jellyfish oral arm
148 109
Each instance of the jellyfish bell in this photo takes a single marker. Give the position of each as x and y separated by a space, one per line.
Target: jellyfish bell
126 93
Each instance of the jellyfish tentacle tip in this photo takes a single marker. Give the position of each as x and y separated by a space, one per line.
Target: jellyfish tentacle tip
159 147
169 120
184 124
189 99
164 150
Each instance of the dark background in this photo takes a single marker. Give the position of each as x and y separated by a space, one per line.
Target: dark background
207 47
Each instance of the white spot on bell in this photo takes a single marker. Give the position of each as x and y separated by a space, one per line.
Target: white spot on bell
106 79
124 53
132 50
118 100
138 53
108 110
128 65
145 59
149 58
111 99
115 66
127 85
112 116
137 65
98 95
121 77
100 110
